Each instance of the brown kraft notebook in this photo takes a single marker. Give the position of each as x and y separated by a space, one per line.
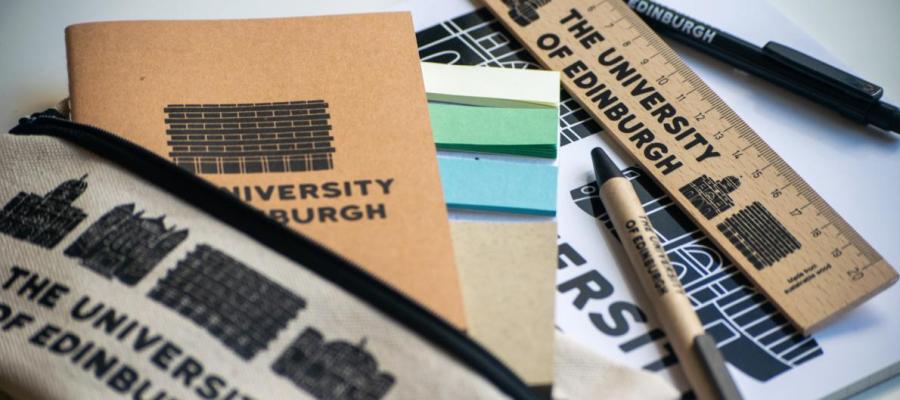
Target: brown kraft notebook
320 122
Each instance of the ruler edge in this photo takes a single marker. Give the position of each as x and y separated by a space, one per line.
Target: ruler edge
791 175
654 39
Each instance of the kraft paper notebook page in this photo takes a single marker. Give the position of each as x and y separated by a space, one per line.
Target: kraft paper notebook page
336 145
506 270
766 356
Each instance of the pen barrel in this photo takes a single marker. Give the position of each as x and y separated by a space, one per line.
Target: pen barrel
659 280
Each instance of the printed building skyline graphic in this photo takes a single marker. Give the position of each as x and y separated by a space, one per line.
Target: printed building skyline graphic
752 335
709 196
759 235
125 245
44 220
332 370
239 306
250 138
524 12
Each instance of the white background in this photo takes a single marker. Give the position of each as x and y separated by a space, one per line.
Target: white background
865 35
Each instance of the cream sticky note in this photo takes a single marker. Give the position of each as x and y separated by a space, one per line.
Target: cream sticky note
490 86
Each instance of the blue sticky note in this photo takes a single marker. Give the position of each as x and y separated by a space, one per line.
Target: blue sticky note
493 185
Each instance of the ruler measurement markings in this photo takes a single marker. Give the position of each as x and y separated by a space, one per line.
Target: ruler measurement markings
727 114
709 94
632 40
611 24
799 211
845 230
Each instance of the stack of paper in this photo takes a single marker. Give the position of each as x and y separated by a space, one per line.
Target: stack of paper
493 110
511 233
481 111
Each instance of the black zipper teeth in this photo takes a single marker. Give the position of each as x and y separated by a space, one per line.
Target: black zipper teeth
252 222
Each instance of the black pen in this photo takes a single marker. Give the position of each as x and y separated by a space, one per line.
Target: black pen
849 95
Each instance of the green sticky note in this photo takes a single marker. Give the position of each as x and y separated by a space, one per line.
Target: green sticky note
522 131
491 185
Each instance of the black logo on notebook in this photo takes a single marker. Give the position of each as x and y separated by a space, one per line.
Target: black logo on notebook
335 370
710 196
250 138
239 306
758 235
125 245
477 38
44 220
752 335
524 12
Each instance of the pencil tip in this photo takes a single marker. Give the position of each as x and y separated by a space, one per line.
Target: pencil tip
714 364
604 168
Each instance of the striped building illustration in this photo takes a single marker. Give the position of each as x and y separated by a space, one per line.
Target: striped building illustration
234 303
250 138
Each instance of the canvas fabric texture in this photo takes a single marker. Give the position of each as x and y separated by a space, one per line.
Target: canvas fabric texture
110 287
582 373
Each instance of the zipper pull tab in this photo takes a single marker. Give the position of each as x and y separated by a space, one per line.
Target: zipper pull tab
48 113
25 122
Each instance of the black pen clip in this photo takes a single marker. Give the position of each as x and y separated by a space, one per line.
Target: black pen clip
824 73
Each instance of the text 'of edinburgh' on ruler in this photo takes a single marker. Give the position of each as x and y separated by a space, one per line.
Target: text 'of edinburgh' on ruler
780 232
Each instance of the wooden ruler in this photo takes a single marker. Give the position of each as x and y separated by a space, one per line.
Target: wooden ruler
773 226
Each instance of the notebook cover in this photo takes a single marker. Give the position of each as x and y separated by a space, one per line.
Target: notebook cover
321 122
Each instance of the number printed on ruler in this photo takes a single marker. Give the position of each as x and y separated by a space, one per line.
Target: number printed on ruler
781 234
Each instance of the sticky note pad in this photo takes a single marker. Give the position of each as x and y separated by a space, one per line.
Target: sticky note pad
522 131
494 185
491 86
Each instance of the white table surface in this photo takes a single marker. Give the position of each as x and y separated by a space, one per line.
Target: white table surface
863 34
